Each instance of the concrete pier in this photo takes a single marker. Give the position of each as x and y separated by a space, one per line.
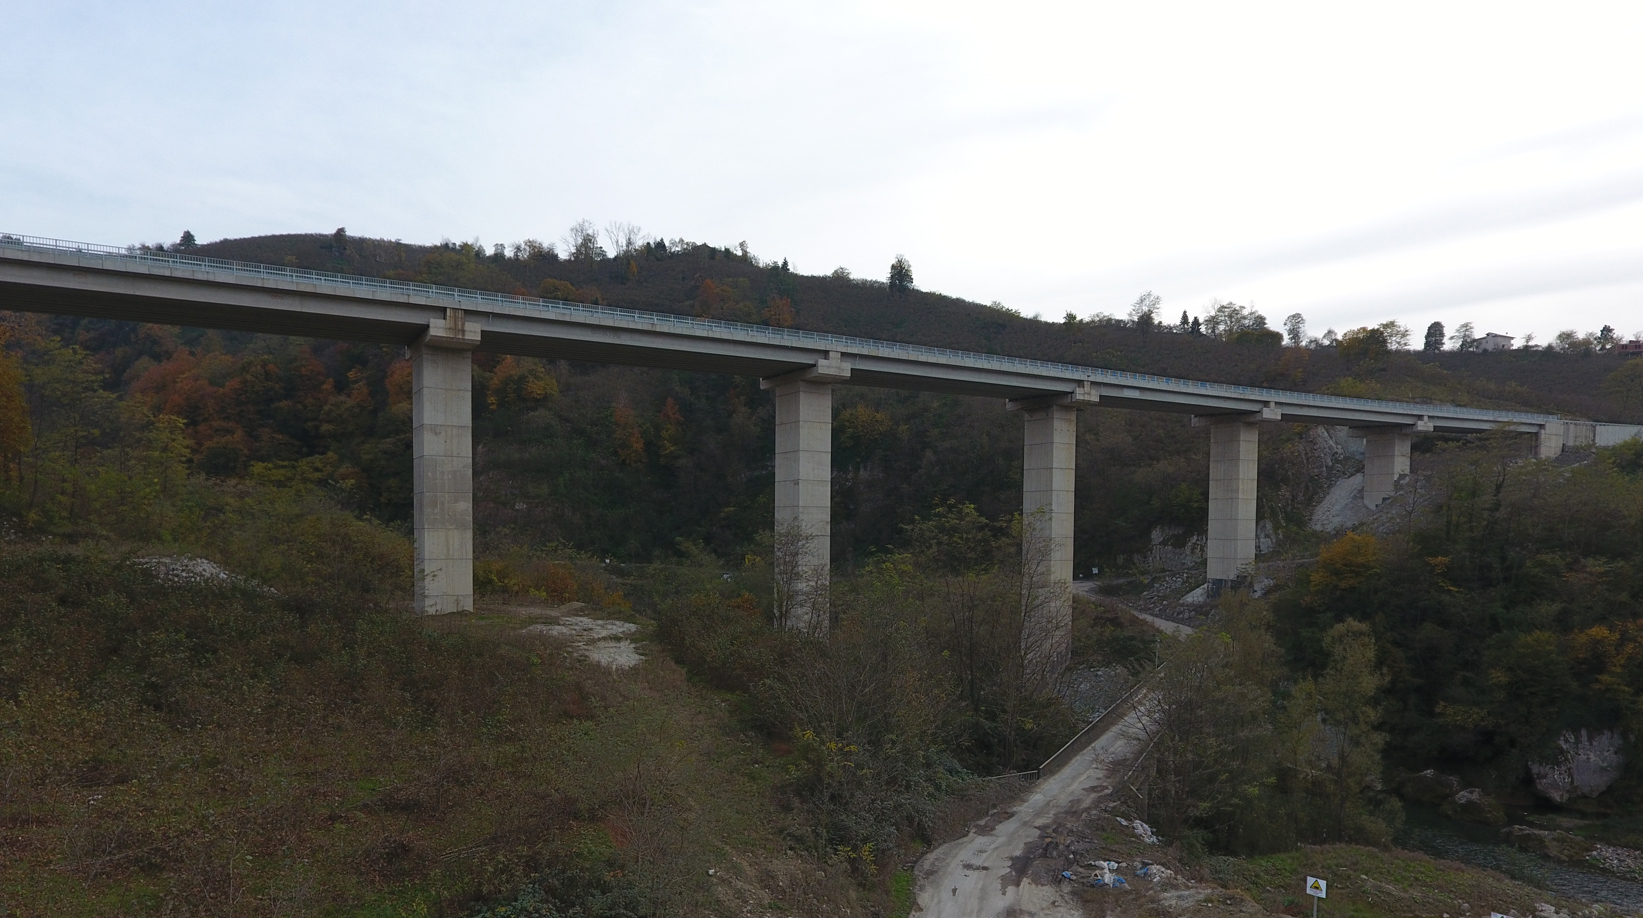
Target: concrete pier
804 492
1048 461
1233 447
442 463
1549 440
1385 461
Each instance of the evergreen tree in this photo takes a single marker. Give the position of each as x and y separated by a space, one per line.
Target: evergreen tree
187 241
901 276
1434 337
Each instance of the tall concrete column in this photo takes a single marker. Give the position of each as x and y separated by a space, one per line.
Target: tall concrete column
804 492
1385 461
442 463
1233 450
1048 462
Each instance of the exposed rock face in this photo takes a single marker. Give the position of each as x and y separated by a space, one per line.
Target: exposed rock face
1266 537
1429 787
1559 845
1473 805
1586 765
1172 550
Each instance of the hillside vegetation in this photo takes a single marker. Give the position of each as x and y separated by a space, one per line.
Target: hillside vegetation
280 737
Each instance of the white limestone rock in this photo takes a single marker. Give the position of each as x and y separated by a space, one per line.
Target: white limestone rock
1586 764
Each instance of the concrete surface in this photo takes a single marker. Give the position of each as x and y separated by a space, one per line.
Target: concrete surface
1385 461
1049 458
804 495
442 464
1233 448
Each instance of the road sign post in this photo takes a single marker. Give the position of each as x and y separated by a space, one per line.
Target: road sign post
1317 889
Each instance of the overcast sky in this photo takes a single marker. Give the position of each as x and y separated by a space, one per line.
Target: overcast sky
1352 162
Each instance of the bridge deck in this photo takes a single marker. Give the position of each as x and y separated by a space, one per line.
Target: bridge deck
54 276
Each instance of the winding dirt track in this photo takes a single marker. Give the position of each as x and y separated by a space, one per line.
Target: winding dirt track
985 874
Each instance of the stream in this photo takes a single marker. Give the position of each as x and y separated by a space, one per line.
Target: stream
1428 831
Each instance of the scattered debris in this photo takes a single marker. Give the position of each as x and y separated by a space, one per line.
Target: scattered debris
598 640
1622 862
1157 873
186 570
1141 829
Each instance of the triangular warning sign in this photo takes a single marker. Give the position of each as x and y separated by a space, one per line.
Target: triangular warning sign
1317 887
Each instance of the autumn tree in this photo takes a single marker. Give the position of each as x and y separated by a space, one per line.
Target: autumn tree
779 314
1360 344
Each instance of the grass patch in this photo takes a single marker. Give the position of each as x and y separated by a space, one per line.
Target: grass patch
222 749
901 893
1376 883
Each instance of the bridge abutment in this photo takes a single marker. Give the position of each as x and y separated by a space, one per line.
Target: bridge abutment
442 463
1549 440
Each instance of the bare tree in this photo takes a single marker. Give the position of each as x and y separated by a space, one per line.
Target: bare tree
582 242
1046 608
624 238
802 580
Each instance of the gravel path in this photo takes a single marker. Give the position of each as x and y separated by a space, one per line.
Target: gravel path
989 872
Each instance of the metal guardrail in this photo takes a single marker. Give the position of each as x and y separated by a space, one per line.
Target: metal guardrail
1092 731
116 257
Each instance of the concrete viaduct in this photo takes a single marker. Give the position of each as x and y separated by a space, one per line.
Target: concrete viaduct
443 326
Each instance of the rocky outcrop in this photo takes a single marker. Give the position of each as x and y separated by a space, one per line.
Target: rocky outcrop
1473 805
1171 550
1429 787
1560 846
1586 764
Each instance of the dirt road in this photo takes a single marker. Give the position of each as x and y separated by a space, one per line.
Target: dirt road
987 874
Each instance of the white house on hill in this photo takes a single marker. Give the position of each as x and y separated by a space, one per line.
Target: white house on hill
1495 342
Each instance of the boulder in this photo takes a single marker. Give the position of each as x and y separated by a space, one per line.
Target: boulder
1429 787
1473 805
1585 765
1561 846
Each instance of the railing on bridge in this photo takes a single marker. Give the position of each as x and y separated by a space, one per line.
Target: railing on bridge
718 328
